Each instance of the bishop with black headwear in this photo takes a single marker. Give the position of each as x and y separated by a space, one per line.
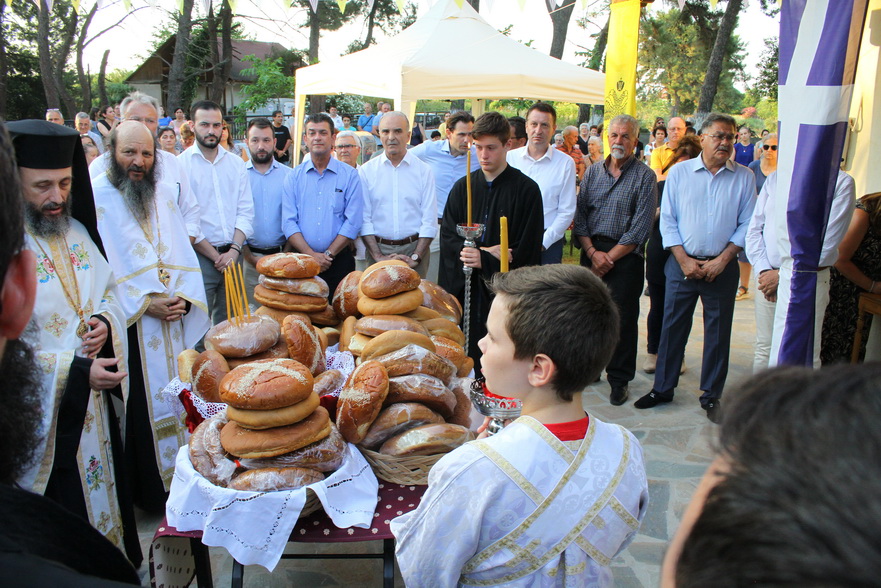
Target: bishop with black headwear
78 334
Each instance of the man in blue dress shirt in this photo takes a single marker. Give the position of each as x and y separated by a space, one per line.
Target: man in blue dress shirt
322 204
267 178
708 202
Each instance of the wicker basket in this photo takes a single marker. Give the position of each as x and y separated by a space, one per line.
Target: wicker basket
408 470
311 505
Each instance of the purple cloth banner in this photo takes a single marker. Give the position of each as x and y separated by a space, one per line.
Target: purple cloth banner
819 42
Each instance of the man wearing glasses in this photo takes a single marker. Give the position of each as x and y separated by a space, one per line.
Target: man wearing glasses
708 203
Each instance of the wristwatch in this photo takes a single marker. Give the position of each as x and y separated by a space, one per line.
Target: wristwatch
329 254
415 257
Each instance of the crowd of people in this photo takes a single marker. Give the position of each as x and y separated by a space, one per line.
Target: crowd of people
131 220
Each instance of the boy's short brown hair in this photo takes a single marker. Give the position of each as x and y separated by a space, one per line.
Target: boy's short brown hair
492 124
562 311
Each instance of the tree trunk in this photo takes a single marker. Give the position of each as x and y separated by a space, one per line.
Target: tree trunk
714 67
317 101
221 56
560 17
177 71
46 74
596 63
457 105
84 78
371 21
59 62
475 4
3 62
102 81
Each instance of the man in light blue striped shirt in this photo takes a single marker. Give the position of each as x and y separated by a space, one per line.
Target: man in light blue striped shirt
708 202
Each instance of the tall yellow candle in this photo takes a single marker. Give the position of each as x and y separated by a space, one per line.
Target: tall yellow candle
504 245
468 183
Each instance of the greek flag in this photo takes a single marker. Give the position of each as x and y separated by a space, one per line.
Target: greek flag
819 44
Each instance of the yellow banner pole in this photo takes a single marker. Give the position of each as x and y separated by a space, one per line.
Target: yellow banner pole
621 54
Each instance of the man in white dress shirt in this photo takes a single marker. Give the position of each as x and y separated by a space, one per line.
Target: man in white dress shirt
399 199
221 185
554 172
772 284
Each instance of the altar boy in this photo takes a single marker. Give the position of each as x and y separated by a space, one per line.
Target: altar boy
553 497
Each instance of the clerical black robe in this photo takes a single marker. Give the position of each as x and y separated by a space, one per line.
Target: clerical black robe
512 194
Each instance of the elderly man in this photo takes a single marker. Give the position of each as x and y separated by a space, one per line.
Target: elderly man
222 188
143 108
447 160
53 115
80 340
570 148
663 154
707 205
554 173
162 296
84 127
266 176
322 206
399 199
616 208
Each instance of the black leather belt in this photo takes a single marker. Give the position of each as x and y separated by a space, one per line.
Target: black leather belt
404 241
703 258
268 251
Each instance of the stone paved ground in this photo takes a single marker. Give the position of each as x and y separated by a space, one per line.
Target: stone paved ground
676 439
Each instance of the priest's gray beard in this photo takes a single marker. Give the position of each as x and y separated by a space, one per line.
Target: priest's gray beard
44 226
138 195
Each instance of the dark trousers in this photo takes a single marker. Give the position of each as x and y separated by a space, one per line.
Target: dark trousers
717 299
343 264
655 262
625 281
554 253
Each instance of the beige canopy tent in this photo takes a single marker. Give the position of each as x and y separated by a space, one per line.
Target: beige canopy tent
450 53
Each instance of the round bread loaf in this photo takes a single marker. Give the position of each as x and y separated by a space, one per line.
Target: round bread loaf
277 351
398 418
285 301
208 370
392 341
465 369
461 388
444 328
382 280
412 359
423 313
328 382
397 304
332 334
251 443
357 343
449 349
436 298
276 313
288 265
361 400
427 390
276 417
325 318
326 455
275 479
322 338
303 343
242 337
185 360
306 286
378 324
207 454
266 384
347 331
345 297
427 440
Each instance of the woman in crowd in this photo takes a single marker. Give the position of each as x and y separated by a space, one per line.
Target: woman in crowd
179 120
168 140
763 167
108 121
857 270
558 140
90 147
594 150
227 143
187 138
744 151
656 258
659 137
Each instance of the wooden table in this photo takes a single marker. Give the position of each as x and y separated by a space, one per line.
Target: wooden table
394 500
869 304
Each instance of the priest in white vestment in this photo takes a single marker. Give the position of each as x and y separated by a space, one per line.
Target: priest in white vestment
79 339
163 298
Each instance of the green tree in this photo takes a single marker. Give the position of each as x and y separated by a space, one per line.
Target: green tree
272 83
383 15
766 84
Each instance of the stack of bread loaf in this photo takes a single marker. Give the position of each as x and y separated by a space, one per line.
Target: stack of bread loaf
274 434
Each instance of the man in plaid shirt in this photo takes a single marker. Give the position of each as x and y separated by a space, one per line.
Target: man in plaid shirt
614 213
